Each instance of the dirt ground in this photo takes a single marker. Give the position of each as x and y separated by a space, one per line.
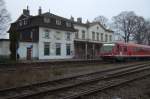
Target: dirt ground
139 89
27 76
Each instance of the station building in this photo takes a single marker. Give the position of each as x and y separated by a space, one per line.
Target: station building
49 36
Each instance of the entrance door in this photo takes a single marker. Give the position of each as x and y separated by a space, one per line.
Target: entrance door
29 53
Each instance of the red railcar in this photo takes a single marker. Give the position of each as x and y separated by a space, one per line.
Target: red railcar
122 51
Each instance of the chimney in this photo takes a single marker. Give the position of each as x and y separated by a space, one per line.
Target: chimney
40 11
79 20
72 18
26 11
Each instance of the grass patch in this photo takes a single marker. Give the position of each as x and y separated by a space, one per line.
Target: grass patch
56 72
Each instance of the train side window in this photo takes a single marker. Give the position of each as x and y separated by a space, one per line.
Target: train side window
125 49
141 49
135 49
117 48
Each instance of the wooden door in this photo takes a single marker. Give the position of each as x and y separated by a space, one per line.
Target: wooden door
29 53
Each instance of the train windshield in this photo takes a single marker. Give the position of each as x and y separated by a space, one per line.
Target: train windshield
107 47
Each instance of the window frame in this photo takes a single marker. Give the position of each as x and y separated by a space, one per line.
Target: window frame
93 35
106 38
58 48
102 37
68 36
110 38
97 36
46 48
58 22
68 53
46 34
76 35
83 34
46 20
68 24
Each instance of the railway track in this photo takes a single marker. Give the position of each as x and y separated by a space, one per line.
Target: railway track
73 87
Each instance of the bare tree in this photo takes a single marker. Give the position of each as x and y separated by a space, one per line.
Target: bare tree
124 24
148 32
102 19
4 18
140 32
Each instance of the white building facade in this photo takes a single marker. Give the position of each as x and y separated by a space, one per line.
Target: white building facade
55 44
48 36
89 38
4 48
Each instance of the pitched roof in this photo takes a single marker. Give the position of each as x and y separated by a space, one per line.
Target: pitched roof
36 21
91 24
48 14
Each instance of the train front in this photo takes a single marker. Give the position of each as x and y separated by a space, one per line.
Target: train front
107 51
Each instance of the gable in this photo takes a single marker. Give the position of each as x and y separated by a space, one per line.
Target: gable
96 28
22 17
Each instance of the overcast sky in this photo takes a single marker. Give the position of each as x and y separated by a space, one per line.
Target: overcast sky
87 9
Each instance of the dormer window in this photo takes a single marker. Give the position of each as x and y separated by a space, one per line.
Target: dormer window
46 20
20 23
58 22
68 36
25 21
68 24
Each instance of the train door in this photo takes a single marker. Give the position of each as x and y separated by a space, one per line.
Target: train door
29 53
117 49
124 50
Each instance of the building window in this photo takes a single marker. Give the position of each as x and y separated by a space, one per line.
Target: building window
102 37
46 20
110 38
97 27
68 35
58 48
20 23
57 35
46 48
83 34
58 22
68 24
46 34
106 38
76 35
93 35
68 49
97 36
25 21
